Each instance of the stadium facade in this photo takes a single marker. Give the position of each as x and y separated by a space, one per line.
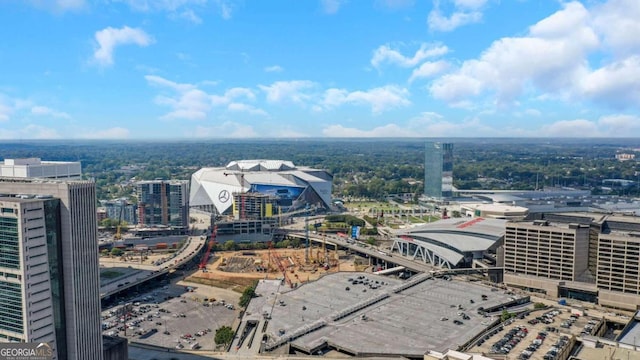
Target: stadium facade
452 243
213 189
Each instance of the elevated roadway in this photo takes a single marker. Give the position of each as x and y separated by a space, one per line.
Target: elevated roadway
147 272
361 248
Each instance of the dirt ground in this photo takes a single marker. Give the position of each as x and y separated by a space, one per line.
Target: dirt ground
237 269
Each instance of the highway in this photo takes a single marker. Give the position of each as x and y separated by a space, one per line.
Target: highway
413 265
148 271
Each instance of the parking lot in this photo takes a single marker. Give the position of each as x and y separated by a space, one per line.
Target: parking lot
541 335
171 316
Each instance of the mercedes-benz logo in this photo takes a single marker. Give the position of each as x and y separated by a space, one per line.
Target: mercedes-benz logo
223 196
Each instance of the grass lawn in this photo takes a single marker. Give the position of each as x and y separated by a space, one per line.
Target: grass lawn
110 274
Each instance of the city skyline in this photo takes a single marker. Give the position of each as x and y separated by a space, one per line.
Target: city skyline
128 69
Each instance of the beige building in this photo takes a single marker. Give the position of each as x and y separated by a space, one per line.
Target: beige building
587 256
543 250
36 168
494 211
617 272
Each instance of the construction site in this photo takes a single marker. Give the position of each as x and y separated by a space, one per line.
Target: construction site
237 269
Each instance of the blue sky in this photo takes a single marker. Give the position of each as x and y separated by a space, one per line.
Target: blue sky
170 69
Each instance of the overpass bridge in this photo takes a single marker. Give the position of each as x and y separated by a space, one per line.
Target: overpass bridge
363 249
147 272
415 265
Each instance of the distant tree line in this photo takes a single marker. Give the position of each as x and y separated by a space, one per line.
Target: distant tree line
369 168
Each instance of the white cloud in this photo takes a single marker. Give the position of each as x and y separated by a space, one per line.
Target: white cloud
621 125
23 108
182 9
111 133
157 80
429 69
571 128
189 102
225 7
192 104
110 38
394 4
469 4
59 6
295 91
228 129
552 61
551 58
431 124
273 68
389 130
465 12
45 111
30 131
331 6
288 133
380 99
427 124
5 112
617 84
232 94
617 21
385 54
190 16
246 108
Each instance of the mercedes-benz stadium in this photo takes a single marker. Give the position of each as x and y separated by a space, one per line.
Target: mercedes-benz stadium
292 187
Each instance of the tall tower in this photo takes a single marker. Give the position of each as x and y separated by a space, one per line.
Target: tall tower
162 202
438 170
48 232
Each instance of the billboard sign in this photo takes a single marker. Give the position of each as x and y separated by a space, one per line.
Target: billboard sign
355 232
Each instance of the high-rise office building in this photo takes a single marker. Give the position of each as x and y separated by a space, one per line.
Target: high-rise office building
587 256
552 251
438 170
163 202
49 272
120 210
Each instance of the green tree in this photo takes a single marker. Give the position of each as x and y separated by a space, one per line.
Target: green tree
229 245
116 251
505 315
248 294
104 252
224 335
539 305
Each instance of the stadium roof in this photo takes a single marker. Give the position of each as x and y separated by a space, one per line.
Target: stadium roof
260 165
212 186
452 238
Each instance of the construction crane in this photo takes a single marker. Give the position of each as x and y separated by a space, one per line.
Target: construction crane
274 258
118 235
205 257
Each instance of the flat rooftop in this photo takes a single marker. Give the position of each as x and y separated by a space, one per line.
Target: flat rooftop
404 318
607 352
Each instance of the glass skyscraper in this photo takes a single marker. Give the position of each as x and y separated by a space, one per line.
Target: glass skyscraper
438 170
163 202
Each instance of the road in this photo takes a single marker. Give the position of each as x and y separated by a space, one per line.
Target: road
413 265
148 271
